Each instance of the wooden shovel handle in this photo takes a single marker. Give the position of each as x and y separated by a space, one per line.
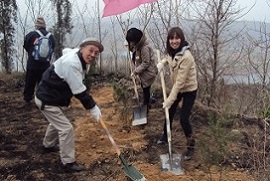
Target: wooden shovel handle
162 79
133 79
110 137
168 127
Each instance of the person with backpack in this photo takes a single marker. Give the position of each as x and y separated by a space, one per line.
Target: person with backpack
144 60
184 77
36 64
60 82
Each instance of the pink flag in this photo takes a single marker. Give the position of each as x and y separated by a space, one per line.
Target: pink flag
113 7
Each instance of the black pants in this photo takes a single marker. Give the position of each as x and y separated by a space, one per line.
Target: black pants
146 95
32 78
188 102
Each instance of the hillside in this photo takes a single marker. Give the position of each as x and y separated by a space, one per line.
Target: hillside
22 130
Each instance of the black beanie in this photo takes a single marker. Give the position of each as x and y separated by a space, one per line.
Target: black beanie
134 35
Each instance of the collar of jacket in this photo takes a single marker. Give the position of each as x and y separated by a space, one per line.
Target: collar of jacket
41 28
82 60
182 51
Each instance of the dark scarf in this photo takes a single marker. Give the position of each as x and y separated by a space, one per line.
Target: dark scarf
82 60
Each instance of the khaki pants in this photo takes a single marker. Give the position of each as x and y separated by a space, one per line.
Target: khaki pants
60 129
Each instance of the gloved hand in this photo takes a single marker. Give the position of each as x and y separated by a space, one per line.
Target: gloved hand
132 75
160 66
95 111
165 105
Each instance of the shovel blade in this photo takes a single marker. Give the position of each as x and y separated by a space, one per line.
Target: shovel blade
133 173
139 115
130 170
173 166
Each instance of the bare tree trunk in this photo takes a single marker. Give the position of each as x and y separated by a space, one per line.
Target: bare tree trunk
215 19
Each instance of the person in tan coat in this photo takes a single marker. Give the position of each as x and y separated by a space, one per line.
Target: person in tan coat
144 60
184 77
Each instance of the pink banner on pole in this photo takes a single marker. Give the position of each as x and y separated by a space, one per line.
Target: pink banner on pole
113 7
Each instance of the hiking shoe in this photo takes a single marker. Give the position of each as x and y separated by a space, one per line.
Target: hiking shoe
188 154
73 167
50 149
190 149
27 104
162 140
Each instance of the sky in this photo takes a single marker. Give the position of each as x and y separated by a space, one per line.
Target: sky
260 12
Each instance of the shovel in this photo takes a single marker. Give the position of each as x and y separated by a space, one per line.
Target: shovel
169 162
140 112
129 170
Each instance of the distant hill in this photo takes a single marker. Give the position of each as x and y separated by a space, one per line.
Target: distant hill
79 33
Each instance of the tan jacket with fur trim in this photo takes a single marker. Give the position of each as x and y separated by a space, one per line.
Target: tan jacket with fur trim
183 74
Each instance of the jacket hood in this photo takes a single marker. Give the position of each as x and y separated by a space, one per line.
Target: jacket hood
143 41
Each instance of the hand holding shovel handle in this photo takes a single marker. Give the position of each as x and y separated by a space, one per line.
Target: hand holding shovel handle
140 111
133 80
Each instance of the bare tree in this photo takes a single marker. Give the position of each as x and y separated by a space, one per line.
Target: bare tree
63 24
22 22
214 52
257 64
114 42
8 16
162 21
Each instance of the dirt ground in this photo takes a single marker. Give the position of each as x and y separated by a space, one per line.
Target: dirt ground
22 130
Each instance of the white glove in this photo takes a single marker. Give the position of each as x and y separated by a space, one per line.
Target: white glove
165 105
95 111
160 66
132 75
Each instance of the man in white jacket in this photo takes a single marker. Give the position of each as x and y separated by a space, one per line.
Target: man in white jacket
60 82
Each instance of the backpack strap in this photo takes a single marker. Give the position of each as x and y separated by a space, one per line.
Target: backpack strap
39 32
48 35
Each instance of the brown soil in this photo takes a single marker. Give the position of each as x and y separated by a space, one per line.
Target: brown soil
22 131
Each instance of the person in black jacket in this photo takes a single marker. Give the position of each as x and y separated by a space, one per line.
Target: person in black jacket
34 68
60 82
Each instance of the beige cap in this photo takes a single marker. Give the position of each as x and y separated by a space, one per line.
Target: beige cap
92 41
40 23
